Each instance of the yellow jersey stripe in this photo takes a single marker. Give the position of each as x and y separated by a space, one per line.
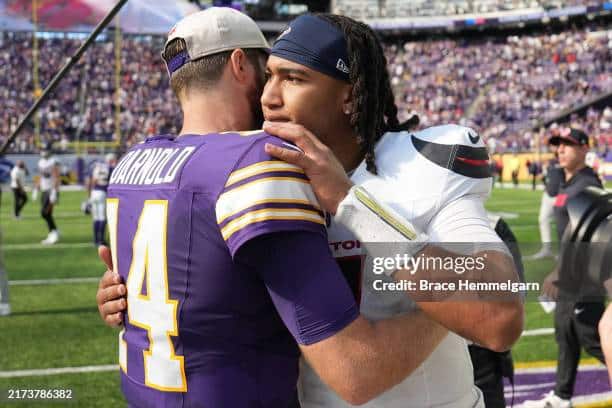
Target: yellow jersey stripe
267 214
269 201
266 190
260 168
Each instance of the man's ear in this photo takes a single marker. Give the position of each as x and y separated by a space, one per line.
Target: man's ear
239 65
347 100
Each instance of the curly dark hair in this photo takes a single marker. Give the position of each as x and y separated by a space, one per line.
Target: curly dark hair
374 109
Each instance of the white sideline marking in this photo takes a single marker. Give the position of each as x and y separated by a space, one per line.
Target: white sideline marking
538 332
553 368
52 281
59 214
527 387
21 247
521 186
593 398
527 226
506 215
70 187
57 371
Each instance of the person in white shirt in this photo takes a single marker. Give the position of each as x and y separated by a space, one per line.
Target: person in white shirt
97 186
18 175
553 178
48 185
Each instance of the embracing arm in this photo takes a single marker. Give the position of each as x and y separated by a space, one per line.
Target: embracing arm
494 323
493 319
357 358
110 296
491 323
465 266
605 331
367 358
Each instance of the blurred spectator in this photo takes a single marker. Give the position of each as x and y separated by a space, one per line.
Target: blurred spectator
20 198
84 106
499 85
553 178
515 168
5 173
500 168
360 9
534 169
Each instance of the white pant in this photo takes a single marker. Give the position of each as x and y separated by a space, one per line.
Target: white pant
4 295
98 205
545 217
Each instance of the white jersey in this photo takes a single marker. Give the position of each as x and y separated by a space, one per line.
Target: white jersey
438 179
45 168
100 175
17 177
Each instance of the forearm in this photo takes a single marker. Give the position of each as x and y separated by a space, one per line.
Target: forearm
605 333
606 345
491 319
398 347
375 356
385 234
494 325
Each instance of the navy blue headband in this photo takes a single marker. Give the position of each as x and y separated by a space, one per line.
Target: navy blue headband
315 43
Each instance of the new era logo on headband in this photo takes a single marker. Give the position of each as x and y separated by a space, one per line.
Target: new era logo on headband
287 31
341 66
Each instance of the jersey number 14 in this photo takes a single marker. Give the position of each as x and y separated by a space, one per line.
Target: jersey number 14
152 311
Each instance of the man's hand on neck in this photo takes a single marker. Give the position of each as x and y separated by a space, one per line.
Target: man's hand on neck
327 175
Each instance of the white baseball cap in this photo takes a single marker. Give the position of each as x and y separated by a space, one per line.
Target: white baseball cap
214 30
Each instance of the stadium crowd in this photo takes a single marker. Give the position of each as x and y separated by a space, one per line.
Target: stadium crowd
502 85
83 107
425 8
498 85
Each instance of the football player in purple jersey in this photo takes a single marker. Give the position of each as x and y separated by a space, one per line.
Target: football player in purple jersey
223 250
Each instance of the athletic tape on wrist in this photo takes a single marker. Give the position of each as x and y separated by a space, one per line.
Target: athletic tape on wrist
381 231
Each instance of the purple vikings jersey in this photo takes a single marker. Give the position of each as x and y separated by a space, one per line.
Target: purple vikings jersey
205 327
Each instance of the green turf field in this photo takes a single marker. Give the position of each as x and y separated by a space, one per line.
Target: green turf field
56 326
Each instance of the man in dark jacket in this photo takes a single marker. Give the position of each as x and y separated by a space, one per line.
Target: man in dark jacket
575 320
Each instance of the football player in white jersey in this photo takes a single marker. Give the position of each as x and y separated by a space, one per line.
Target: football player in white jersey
97 187
48 185
437 179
